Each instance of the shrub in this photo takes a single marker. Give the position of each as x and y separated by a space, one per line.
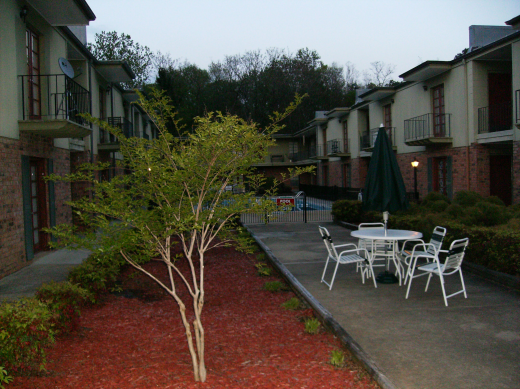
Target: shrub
263 270
96 274
293 304
438 205
275 286
64 300
312 326
4 377
433 197
27 329
494 200
486 214
467 198
347 210
455 211
337 358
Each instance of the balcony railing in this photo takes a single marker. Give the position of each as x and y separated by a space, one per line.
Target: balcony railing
517 105
53 97
321 151
120 122
427 126
497 117
368 137
337 146
303 155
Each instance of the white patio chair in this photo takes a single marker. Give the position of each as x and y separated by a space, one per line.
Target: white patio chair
433 247
378 249
451 265
353 255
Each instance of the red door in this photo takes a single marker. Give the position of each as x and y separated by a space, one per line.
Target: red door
439 119
38 204
500 107
32 48
500 177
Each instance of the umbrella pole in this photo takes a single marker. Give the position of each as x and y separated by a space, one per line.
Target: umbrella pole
386 277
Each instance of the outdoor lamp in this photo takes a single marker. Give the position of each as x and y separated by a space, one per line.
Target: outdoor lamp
23 12
415 165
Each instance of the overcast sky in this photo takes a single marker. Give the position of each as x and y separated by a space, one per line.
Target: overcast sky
399 32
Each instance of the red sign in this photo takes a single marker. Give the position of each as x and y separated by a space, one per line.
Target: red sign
285 201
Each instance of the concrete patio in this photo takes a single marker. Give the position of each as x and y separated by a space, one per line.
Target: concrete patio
418 342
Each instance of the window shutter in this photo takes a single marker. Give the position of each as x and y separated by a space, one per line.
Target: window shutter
52 197
449 178
27 210
430 175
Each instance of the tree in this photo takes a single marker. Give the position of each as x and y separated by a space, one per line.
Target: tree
378 75
110 46
174 193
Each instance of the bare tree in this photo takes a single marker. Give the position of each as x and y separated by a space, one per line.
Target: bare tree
351 76
379 74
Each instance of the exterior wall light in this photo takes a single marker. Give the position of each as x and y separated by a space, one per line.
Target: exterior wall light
415 165
23 12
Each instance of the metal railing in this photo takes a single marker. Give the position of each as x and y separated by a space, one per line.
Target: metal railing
497 117
368 137
53 96
337 146
321 150
517 105
303 155
427 126
120 122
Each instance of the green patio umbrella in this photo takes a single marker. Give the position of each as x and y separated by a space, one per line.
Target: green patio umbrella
384 186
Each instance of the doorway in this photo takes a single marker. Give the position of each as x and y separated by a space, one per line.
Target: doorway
38 203
500 177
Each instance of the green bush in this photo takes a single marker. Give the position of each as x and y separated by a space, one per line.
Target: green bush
467 198
486 214
293 304
27 330
96 274
275 286
312 326
494 200
64 300
4 377
455 211
352 211
337 358
438 205
433 197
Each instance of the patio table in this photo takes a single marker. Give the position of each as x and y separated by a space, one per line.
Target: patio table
391 236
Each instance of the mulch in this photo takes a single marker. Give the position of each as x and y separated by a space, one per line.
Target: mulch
135 339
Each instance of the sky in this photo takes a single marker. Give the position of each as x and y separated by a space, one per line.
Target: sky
403 33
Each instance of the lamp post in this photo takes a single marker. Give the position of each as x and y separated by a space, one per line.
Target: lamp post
415 165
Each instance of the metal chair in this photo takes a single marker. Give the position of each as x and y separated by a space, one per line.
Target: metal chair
432 248
353 255
452 265
378 249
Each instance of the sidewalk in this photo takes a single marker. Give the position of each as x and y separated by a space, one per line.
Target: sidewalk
416 343
49 266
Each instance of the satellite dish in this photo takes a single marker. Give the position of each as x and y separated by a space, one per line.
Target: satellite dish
66 67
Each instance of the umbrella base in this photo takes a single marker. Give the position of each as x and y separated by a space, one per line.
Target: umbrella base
386 278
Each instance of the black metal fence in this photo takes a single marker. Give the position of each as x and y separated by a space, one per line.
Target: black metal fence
497 117
331 193
299 208
427 126
53 96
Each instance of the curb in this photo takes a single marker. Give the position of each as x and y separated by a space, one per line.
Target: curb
328 319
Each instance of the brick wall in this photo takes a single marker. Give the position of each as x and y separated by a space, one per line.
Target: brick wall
12 238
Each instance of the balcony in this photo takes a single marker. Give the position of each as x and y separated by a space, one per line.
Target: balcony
109 142
338 148
51 104
321 152
303 156
495 123
428 129
368 138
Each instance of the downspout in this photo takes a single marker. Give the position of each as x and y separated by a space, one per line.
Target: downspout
466 92
90 108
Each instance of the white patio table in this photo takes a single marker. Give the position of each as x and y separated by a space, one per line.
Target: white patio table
391 236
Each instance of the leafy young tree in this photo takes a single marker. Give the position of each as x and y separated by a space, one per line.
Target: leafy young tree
111 46
174 193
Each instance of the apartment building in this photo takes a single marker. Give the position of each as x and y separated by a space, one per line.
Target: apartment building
459 119
47 78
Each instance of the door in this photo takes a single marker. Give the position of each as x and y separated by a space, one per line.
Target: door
38 203
32 48
387 113
500 107
439 119
500 177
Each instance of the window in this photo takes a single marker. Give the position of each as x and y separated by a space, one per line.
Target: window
32 49
345 137
387 113
440 175
325 179
439 119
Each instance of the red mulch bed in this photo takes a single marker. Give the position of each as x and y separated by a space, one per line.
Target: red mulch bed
136 339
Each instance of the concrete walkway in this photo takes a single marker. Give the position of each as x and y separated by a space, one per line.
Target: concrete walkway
416 343
48 266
